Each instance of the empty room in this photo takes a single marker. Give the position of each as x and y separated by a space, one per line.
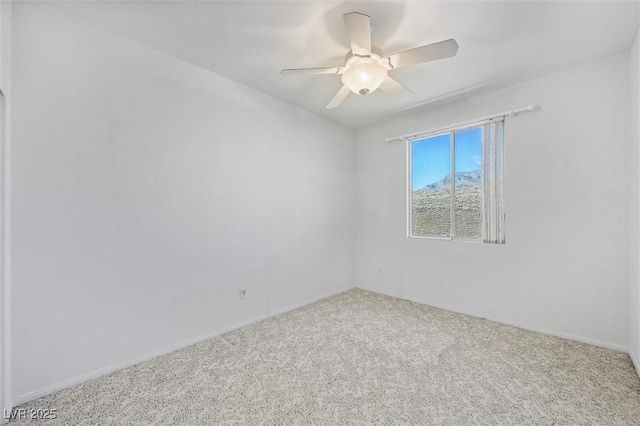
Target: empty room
319 212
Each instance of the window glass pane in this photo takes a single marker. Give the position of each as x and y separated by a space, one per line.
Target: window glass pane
468 187
430 186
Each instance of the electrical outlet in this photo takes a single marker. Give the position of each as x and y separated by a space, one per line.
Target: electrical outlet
243 293
440 282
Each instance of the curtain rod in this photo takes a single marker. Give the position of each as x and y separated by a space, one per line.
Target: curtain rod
511 113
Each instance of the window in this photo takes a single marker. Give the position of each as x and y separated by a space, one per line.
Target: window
455 183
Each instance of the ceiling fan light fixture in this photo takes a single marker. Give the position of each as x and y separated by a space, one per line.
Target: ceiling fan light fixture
364 77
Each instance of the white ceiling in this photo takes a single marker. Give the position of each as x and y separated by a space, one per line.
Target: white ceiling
501 43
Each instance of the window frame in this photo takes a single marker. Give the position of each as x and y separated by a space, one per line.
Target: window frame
451 131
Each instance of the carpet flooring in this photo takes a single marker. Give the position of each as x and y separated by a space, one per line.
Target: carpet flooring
362 358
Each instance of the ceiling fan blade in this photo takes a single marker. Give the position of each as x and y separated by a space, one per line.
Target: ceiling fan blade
339 97
395 89
359 32
310 71
428 53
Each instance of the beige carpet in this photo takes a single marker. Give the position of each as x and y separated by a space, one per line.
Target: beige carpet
363 358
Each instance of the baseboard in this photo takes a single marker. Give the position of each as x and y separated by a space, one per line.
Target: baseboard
636 364
568 336
30 396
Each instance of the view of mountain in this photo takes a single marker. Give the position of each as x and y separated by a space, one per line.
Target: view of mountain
471 178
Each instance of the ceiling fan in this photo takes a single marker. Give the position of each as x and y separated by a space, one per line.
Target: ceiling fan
366 71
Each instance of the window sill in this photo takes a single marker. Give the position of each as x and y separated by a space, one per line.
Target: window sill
454 240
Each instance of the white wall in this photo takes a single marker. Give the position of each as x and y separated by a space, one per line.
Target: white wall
564 268
5 42
5 143
147 191
634 228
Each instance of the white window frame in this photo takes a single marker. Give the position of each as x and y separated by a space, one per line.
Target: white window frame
451 131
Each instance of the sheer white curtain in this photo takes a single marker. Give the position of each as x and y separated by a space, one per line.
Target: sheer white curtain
492 182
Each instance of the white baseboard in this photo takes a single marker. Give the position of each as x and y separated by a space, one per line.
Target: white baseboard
30 396
568 336
636 364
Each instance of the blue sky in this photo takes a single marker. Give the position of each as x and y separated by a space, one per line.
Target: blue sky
430 156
